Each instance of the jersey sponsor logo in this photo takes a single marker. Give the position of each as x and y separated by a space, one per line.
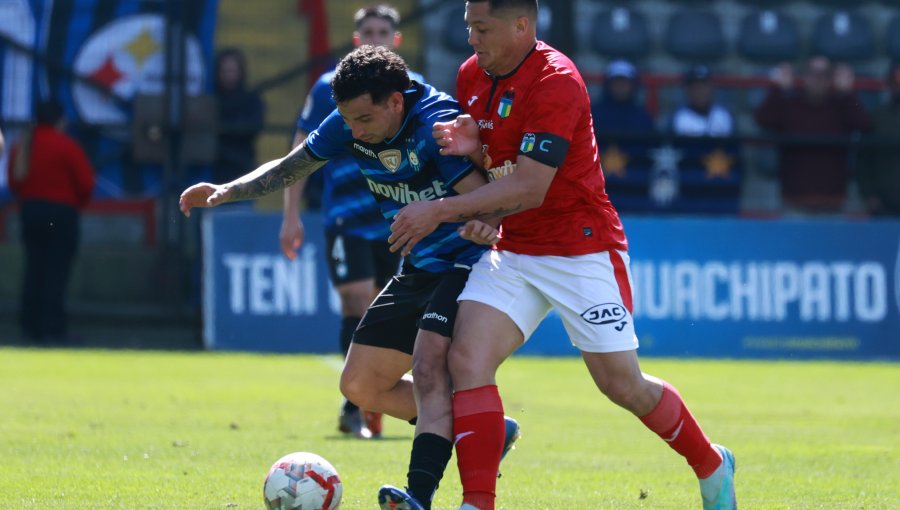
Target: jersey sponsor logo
391 159
364 150
527 143
506 103
485 124
402 194
503 170
436 316
472 100
607 313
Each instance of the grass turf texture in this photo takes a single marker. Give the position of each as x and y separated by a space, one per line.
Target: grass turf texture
96 429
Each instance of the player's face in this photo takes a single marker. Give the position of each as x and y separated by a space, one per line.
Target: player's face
493 38
373 122
377 32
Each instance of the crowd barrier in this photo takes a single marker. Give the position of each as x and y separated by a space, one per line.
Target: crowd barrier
703 287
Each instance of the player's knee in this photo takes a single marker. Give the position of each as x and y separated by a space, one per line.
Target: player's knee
624 393
357 390
430 376
462 365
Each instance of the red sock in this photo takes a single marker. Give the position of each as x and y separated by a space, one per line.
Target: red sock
479 433
674 423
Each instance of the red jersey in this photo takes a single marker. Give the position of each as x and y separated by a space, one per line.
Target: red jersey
59 171
542 110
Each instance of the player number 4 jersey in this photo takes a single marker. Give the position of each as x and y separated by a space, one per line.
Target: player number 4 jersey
541 110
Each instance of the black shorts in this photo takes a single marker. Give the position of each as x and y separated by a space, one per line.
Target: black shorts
352 258
411 301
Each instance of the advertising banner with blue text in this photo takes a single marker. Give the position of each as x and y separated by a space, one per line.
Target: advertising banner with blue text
825 288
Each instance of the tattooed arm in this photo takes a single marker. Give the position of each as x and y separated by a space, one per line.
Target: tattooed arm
272 176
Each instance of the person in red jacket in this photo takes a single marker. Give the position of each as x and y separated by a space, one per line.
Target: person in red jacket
814 178
53 180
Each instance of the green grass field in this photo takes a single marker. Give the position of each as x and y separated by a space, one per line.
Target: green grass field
135 430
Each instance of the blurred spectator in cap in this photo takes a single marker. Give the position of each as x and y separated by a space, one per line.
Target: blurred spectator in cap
700 116
53 180
879 167
813 177
618 110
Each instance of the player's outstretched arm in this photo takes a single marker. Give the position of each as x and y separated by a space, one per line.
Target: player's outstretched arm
270 177
292 233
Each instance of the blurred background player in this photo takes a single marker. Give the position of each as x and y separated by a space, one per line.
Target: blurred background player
359 260
53 180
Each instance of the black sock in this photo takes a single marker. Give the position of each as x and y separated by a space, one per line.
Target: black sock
348 326
427 462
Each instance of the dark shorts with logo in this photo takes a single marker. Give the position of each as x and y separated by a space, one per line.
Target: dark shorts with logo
351 259
412 300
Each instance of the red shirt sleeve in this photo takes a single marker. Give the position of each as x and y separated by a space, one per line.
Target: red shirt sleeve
555 106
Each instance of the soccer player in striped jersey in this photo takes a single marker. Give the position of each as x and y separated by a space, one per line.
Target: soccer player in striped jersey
384 121
359 259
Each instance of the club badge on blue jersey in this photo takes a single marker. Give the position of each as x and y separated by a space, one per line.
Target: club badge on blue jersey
391 159
413 159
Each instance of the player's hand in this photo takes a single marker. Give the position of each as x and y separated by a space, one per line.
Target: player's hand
412 224
202 195
291 236
457 138
844 78
479 232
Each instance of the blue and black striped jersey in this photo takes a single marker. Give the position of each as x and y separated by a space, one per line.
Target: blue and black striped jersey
347 205
407 168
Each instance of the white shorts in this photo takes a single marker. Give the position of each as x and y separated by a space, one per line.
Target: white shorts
591 293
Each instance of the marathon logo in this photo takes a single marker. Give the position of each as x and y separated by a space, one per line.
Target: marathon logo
402 194
364 150
436 316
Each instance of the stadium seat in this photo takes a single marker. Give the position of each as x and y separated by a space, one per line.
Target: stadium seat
892 38
621 33
456 36
844 35
696 35
769 36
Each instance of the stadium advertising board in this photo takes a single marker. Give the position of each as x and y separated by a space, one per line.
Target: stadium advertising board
702 287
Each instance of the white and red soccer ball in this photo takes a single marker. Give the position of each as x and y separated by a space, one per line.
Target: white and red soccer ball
302 481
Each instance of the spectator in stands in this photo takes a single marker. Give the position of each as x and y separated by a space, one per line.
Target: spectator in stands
700 116
2 143
618 110
53 180
708 175
241 116
879 168
813 177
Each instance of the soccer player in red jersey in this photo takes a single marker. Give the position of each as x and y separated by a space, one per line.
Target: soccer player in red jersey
563 247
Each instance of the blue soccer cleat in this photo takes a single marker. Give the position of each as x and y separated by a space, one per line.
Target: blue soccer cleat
394 498
512 434
718 489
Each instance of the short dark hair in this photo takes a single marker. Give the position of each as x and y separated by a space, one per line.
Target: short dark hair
380 11
372 70
48 112
531 6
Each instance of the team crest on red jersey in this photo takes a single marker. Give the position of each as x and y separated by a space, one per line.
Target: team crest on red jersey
506 104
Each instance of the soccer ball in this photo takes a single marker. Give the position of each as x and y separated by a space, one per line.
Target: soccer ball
302 481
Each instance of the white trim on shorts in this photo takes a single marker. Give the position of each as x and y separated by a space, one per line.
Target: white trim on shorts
591 293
